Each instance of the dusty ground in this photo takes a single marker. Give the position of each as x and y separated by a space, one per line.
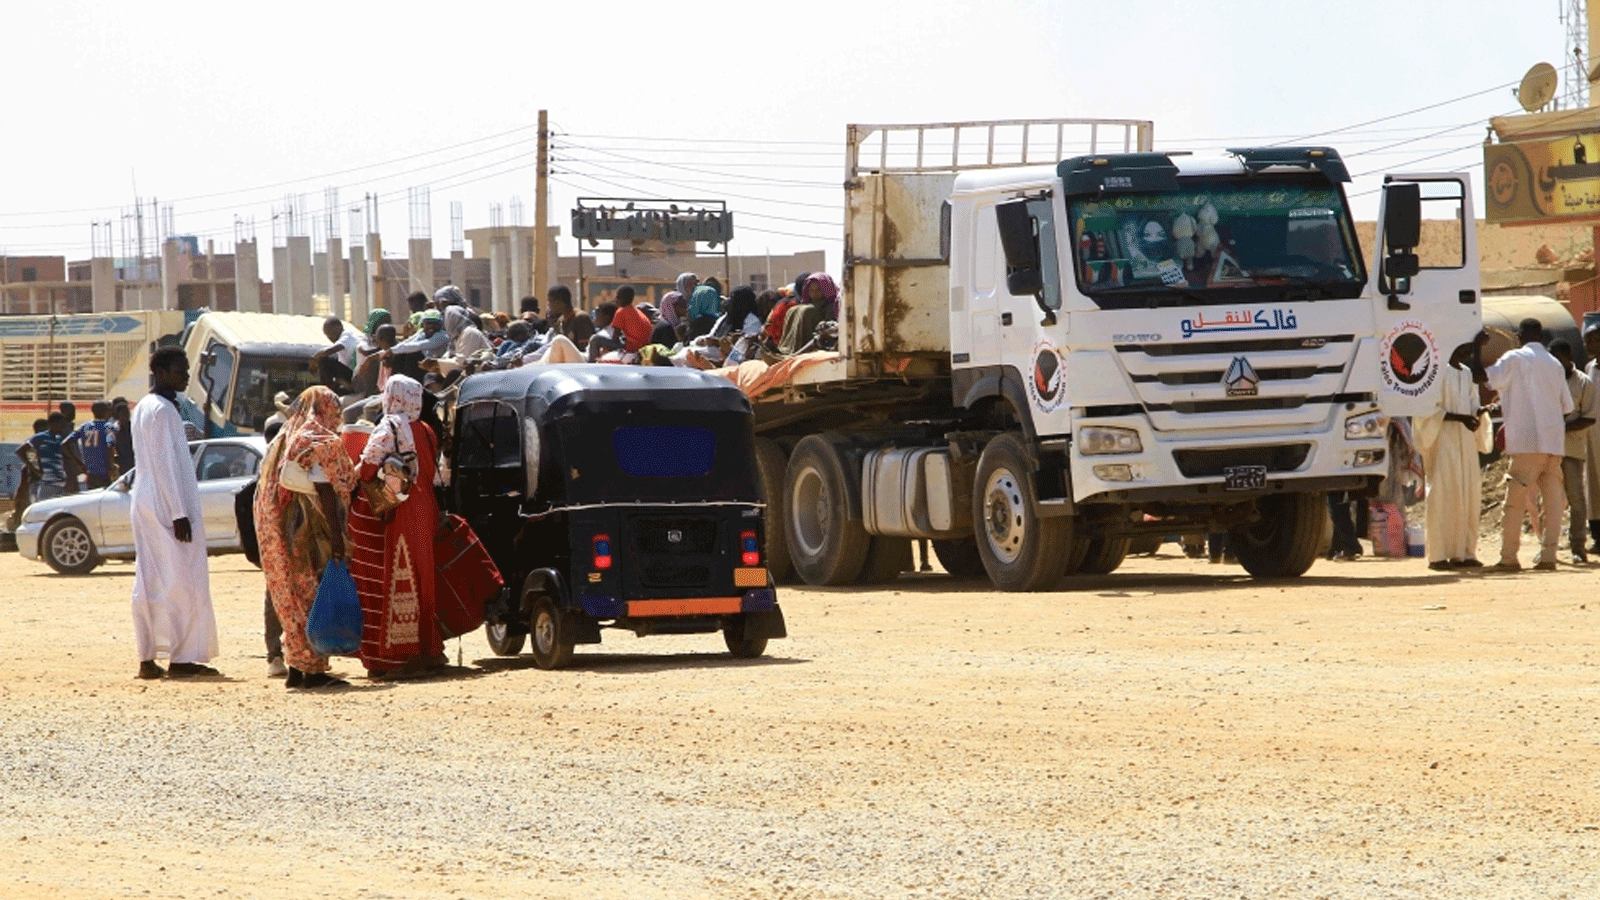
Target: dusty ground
1174 730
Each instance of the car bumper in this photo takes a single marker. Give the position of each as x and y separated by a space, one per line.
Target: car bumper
28 540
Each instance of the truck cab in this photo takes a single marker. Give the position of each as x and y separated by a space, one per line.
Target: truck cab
241 360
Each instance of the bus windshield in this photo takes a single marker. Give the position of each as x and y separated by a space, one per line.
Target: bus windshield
1217 240
259 380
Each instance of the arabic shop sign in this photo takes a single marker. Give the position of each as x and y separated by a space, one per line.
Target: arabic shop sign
669 223
1542 179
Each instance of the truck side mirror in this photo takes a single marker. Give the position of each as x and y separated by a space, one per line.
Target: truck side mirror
1402 216
1021 246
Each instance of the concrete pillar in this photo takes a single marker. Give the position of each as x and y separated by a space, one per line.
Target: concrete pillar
359 284
246 277
170 274
499 280
280 280
299 264
319 273
521 271
333 263
420 251
458 271
103 283
378 298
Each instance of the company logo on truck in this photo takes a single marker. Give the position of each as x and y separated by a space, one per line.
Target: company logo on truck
1241 379
1045 385
1410 359
1239 320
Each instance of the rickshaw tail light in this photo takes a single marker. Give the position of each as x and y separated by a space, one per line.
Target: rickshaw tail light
752 550
602 551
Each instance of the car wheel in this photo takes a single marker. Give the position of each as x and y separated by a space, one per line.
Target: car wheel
552 636
68 548
744 648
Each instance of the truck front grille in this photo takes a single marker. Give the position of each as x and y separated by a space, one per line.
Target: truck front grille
1210 463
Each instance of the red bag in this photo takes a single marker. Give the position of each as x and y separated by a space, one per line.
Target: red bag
465 577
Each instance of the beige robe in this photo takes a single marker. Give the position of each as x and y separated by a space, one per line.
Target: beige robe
1450 461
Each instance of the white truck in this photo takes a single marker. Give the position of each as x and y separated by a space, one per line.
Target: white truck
1037 364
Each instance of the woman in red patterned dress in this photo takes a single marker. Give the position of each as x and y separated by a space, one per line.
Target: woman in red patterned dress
391 558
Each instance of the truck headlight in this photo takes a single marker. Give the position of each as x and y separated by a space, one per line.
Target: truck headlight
1367 426
1099 440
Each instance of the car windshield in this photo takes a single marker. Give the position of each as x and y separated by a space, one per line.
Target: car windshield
259 380
1217 240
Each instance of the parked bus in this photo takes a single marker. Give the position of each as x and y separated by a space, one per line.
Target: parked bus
82 358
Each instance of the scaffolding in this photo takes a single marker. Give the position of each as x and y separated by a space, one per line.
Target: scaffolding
1575 71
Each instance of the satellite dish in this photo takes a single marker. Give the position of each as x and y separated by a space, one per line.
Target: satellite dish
1538 87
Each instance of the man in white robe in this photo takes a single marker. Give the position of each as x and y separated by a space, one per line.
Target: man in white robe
172 614
1449 441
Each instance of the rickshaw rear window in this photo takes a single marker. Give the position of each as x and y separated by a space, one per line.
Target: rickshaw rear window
664 451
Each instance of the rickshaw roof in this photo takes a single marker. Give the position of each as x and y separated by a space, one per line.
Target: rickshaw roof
555 392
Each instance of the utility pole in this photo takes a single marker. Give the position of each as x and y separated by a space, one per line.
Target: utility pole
542 275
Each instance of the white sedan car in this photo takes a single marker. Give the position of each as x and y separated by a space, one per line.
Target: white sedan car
76 532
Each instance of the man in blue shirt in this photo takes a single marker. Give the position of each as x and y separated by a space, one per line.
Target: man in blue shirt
48 458
95 444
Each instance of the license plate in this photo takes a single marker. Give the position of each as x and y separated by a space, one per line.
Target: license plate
1244 478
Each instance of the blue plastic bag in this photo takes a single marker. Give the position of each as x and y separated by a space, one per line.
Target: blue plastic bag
334 626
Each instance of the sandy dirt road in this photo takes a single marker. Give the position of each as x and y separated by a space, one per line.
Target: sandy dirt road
1174 730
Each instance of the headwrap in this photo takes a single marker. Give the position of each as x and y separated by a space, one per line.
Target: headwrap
402 405
705 301
683 282
431 315
669 313
456 321
374 319
830 293
310 437
451 295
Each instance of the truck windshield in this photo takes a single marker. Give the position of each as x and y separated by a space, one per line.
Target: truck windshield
260 379
1217 240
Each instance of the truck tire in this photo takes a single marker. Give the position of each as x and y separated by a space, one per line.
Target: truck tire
1020 550
1103 555
1283 544
770 463
888 557
960 558
827 546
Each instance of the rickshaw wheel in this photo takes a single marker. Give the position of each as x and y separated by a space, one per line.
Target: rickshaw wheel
552 637
502 640
744 648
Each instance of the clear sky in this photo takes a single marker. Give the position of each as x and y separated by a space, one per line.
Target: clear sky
224 109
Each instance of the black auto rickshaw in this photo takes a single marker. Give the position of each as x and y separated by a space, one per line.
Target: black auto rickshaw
613 496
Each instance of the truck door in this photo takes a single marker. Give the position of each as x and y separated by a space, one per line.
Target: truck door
985 285
1426 285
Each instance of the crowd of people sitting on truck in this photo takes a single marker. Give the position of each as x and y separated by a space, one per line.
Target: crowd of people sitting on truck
444 339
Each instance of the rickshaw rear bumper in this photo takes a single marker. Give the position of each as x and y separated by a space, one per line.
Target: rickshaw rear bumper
754 600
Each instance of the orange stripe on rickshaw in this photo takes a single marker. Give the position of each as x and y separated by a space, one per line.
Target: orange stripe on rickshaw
707 606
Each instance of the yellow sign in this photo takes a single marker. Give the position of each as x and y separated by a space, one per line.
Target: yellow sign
1543 179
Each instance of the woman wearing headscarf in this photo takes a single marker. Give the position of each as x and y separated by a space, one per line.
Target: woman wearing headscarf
465 336
391 558
374 319
299 533
705 304
732 338
821 305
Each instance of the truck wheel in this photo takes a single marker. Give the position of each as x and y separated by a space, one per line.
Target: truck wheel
552 636
827 546
503 639
1145 545
888 557
1283 544
960 558
68 548
1020 550
1103 555
770 463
